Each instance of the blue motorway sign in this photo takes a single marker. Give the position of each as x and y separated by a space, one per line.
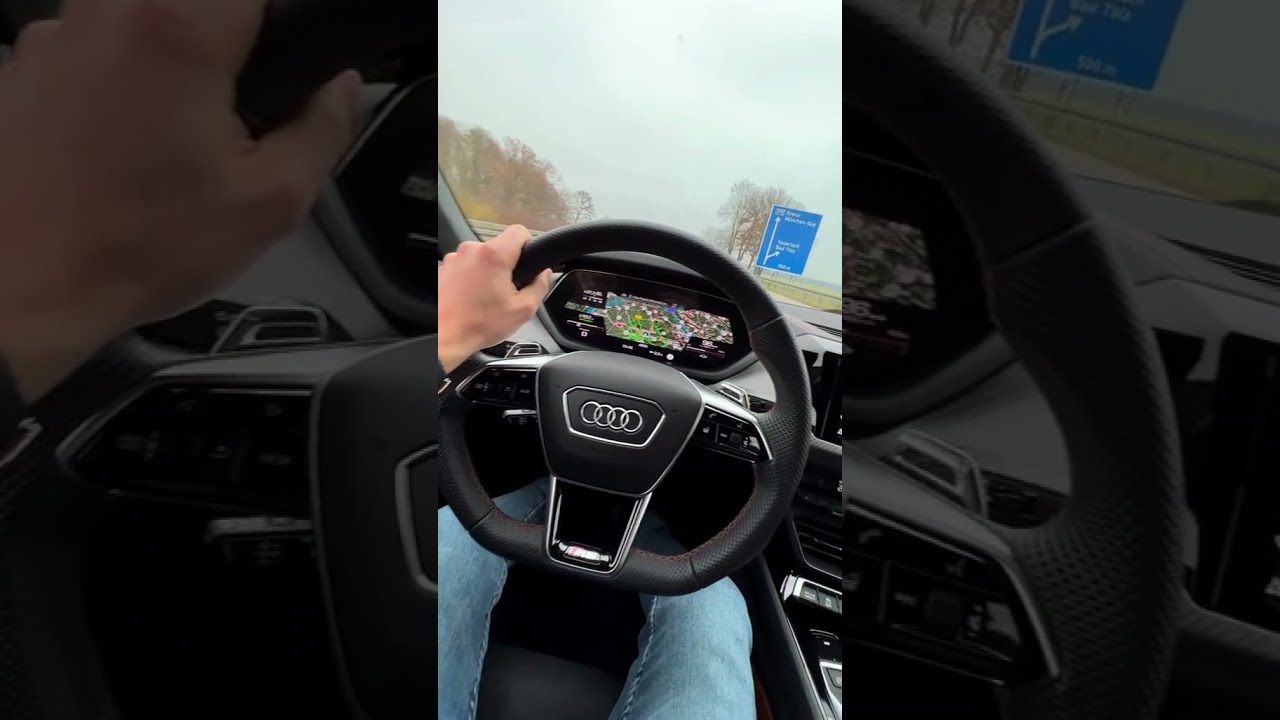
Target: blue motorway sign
787 239
1117 41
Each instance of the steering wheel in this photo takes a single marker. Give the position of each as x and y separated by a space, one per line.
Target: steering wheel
1104 577
615 425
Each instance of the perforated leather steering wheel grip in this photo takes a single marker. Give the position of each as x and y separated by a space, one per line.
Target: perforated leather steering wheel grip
1107 573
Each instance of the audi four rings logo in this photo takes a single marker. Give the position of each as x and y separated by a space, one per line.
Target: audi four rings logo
610 417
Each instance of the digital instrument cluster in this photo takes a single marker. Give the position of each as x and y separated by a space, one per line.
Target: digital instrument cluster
912 296
664 323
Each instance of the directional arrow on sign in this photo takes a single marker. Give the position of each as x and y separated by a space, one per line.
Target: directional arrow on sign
1071 24
776 219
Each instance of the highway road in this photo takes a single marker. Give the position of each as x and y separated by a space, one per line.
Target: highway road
1098 169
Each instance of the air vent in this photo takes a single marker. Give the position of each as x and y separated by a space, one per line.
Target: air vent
271 327
823 547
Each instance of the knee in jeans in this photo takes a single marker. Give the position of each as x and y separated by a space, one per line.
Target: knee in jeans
717 610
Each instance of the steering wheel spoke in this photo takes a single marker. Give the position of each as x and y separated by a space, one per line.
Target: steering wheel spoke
591 530
730 429
925 577
229 431
344 436
506 383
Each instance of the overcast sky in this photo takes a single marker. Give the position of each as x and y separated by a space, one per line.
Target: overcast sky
1224 55
657 107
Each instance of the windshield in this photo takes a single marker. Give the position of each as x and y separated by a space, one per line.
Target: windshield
722 120
1171 96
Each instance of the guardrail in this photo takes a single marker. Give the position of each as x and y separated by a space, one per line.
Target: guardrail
816 300
1202 171
487 230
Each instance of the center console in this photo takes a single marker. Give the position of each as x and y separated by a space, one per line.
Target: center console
1240 549
807 564
814 612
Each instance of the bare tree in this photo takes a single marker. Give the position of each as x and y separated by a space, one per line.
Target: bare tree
717 236
1000 15
964 17
734 212
582 206
927 9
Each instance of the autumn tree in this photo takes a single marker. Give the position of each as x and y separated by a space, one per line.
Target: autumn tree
450 154
758 214
582 206
505 182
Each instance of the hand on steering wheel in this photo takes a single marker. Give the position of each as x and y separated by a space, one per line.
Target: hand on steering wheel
478 306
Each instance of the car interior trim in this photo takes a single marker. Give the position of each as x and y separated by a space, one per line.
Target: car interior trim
1053 669
808 676
793 536
833 694
720 403
404 514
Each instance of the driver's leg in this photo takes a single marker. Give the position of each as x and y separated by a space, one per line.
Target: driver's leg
471 580
694 651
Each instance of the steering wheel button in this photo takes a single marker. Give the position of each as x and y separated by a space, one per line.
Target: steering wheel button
905 599
944 612
989 625
861 585
949 565
706 432
723 436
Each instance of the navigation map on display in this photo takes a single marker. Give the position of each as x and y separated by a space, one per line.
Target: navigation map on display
662 324
886 260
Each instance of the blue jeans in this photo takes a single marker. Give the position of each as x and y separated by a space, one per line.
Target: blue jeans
694 651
